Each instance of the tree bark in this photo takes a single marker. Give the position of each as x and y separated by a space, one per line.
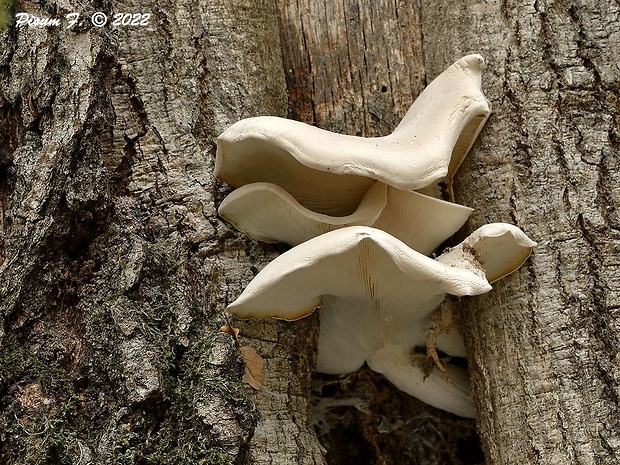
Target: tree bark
115 269
543 345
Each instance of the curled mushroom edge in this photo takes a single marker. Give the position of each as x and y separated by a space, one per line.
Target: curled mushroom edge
317 166
266 212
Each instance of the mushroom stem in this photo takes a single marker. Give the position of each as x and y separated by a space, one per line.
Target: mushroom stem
447 389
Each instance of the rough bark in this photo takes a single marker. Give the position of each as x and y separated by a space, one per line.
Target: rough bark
543 346
114 268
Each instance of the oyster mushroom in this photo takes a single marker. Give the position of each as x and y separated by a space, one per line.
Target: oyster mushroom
330 173
377 297
268 213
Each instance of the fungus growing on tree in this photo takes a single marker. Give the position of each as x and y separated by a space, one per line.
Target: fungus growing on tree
376 286
268 213
377 297
330 173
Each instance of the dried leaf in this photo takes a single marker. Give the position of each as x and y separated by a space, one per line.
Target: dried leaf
234 332
253 367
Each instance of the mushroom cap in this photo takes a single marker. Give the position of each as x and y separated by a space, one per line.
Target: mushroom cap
499 248
373 291
449 390
353 262
267 212
315 166
376 293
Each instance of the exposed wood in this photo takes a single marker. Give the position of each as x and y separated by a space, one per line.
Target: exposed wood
356 67
351 67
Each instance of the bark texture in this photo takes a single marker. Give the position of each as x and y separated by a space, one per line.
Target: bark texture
544 343
114 268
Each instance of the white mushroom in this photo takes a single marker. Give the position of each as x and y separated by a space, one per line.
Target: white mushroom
268 213
375 293
408 371
498 247
330 173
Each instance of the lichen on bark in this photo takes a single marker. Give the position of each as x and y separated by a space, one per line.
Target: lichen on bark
109 298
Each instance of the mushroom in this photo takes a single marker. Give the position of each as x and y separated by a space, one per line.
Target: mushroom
377 297
411 373
330 173
268 213
498 247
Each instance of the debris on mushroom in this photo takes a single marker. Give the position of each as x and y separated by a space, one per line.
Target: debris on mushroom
268 213
375 294
330 173
498 248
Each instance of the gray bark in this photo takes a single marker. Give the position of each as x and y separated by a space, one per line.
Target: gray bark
114 266
543 345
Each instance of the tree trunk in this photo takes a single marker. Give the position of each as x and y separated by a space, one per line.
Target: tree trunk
115 269
543 345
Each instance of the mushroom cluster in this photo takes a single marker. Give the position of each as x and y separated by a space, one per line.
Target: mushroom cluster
363 215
